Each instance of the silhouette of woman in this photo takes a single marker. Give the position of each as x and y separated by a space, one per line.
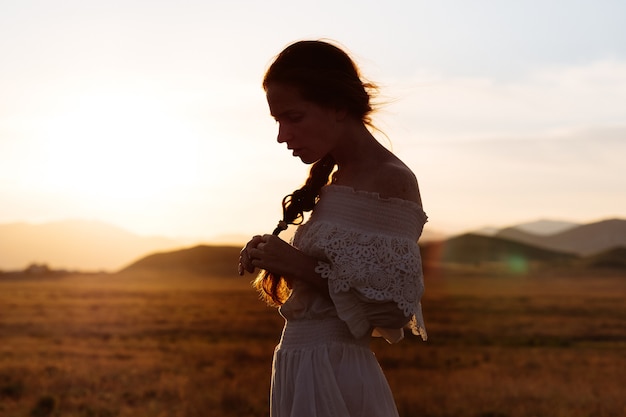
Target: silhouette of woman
353 270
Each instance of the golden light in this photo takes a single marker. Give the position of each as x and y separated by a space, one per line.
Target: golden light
117 146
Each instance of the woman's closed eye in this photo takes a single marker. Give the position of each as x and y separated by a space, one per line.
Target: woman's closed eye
294 117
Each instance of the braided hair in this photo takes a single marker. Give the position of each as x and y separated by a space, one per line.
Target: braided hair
273 288
325 75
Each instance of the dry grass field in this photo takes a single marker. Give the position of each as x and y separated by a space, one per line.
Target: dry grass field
546 344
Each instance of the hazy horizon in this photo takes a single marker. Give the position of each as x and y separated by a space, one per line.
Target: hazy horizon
91 245
151 116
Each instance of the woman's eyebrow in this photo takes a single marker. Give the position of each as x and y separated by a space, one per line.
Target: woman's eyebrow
285 113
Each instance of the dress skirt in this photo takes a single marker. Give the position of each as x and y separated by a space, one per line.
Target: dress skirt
321 370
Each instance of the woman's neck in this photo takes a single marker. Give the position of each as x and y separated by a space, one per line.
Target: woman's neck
356 144
357 154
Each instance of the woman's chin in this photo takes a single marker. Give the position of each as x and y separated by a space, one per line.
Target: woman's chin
307 159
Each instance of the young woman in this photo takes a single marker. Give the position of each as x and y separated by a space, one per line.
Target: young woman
353 270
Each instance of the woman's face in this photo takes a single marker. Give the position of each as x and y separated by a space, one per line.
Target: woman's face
309 130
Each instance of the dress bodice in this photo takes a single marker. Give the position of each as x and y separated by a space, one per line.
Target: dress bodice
367 249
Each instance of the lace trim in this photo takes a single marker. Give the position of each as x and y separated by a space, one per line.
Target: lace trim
381 268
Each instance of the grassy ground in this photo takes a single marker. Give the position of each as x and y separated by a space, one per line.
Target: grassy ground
551 344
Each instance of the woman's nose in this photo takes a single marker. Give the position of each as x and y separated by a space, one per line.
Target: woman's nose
283 134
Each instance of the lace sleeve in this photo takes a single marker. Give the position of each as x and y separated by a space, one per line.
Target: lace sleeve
370 268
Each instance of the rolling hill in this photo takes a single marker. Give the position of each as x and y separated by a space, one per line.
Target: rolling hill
546 227
583 240
475 249
198 260
469 249
466 249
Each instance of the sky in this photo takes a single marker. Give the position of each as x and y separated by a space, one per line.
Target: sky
149 115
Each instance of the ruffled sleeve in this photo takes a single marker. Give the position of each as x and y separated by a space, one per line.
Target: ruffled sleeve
368 251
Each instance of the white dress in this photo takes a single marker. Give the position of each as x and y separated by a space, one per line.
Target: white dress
323 366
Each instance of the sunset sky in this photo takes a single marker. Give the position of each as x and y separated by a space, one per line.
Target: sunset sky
149 115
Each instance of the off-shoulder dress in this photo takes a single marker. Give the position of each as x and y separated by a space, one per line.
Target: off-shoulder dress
367 247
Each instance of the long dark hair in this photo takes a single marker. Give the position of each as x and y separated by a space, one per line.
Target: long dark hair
325 75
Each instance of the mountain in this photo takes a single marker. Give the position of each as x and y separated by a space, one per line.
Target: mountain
475 249
537 227
74 245
584 240
199 260
546 227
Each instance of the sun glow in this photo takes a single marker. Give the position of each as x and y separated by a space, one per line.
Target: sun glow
117 146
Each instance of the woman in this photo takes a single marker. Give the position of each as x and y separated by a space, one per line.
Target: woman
353 270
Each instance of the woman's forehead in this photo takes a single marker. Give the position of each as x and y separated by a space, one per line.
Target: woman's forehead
283 97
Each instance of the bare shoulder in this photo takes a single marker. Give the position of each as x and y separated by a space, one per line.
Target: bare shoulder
394 179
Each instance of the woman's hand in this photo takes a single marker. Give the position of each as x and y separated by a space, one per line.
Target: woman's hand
273 254
277 256
245 259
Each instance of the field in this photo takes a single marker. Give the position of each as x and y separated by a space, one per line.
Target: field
547 344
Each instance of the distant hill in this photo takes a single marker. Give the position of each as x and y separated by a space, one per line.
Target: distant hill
583 240
465 249
473 248
198 260
537 227
546 227
469 249
74 245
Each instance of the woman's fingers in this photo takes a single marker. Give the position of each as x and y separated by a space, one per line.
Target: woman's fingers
245 256
266 252
246 261
262 249
270 254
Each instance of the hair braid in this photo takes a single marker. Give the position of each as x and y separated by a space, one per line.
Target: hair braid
273 288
